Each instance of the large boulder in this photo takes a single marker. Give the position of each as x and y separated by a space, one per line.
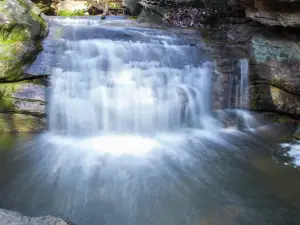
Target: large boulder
276 59
14 218
269 98
21 27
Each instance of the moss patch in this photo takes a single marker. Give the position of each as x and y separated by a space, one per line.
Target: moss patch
71 13
115 5
20 123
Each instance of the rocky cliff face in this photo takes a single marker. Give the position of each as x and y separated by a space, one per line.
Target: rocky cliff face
22 29
274 54
266 32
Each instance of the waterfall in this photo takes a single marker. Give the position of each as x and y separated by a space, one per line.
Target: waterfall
243 84
127 81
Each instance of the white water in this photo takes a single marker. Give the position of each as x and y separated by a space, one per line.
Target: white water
105 86
132 138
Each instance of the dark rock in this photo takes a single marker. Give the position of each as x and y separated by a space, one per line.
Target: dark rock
134 6
269 98
95 11
276 60
45 6
275 18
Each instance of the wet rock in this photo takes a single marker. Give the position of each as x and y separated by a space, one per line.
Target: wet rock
14 218
269 98
276 59
277 132
273 18
21 29
45 6
134 6
274 66
95 11
17 122
22 97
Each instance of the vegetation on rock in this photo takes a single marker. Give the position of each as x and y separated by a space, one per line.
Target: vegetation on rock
21 31
71 13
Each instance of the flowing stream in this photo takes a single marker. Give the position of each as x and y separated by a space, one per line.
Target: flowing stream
133 139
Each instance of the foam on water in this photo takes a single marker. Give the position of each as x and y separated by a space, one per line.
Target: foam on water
294 151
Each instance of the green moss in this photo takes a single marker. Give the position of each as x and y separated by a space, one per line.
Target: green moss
12 66
71 13
17 122
13 42
45 8
19 33
132 17
39 19
115 5
23 3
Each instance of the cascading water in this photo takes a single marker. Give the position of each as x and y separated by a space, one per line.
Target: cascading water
156 84
133 139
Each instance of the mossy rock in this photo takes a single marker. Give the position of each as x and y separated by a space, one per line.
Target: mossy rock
23 97
20 35
115 5
264 97
44 6
272 47
71 13
15 122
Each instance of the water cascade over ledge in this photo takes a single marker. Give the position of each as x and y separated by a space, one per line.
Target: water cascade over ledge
133 138
153 85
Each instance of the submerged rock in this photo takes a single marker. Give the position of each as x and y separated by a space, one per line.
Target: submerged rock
13 218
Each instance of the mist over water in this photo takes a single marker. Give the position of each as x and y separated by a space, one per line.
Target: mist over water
132 138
